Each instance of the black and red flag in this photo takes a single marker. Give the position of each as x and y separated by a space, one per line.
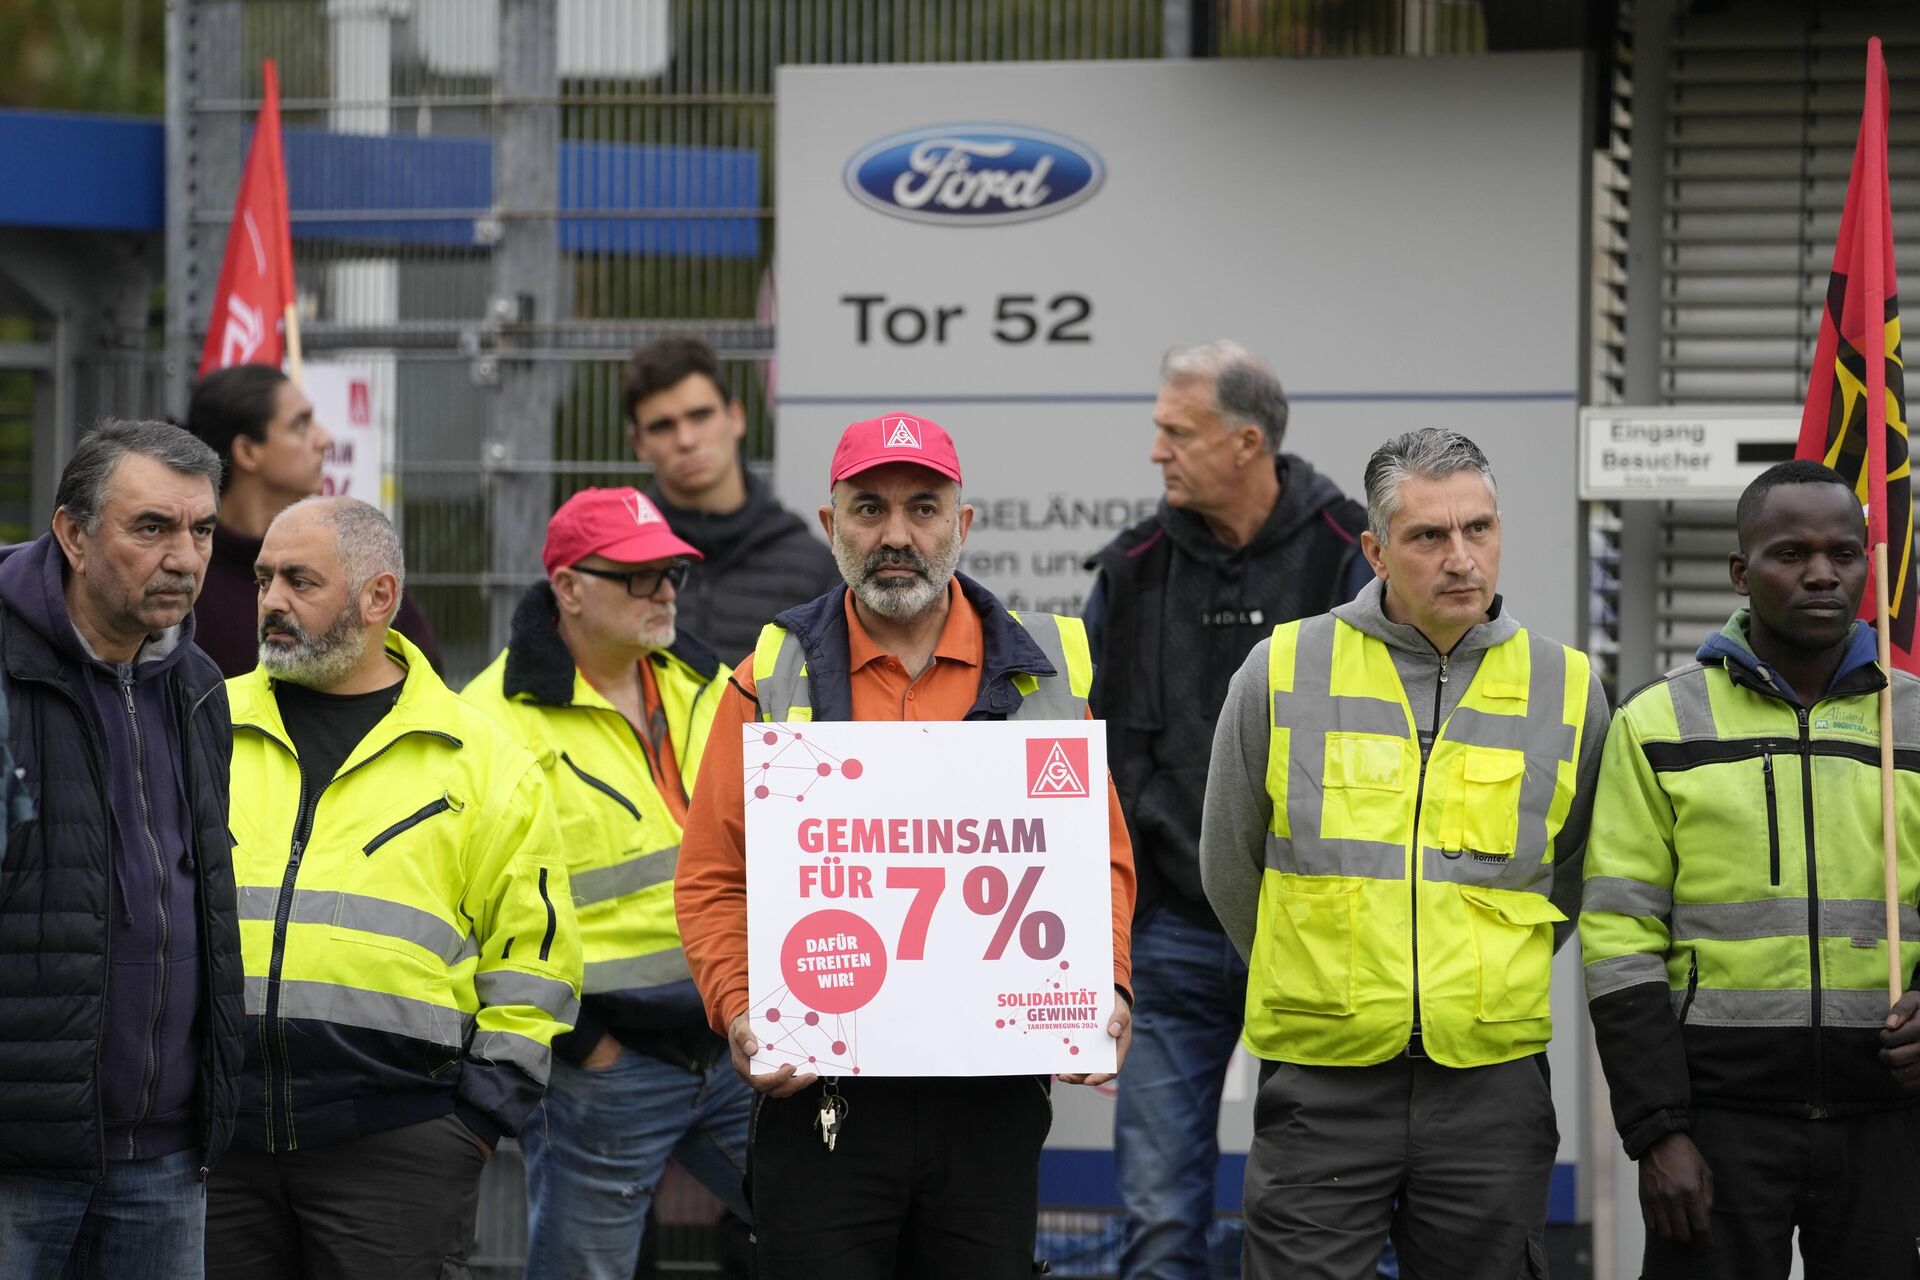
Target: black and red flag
1855 418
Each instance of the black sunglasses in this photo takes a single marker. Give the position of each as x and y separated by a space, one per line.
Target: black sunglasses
643 583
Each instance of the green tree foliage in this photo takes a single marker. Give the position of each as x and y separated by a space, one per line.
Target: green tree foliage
84 55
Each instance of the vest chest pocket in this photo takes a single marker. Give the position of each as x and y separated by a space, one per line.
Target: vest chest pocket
1513 945
1362 772
1487 802
1312 935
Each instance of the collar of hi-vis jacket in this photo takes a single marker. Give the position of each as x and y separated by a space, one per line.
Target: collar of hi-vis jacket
540 667
420 707
1367 612
1859 670
1006 651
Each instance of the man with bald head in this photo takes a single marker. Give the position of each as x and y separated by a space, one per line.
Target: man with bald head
930 1177
406 926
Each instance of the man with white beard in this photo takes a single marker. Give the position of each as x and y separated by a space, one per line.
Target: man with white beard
615 700
930 1177
406 927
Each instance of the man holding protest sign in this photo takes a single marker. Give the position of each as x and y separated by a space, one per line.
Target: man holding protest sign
869 1178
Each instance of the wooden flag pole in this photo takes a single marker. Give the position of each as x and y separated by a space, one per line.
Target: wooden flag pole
1889 852
292 344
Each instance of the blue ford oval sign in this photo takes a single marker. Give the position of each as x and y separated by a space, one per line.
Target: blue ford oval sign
974 174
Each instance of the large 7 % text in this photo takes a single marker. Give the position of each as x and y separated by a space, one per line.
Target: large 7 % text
984 889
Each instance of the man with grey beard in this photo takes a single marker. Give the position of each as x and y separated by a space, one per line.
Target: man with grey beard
120 966
930 1177
407 928
615 701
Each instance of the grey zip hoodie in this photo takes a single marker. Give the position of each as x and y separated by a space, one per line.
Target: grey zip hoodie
1233 828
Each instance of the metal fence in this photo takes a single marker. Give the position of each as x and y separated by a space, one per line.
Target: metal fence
495 201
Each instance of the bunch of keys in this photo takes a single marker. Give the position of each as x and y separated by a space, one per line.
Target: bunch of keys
833 1112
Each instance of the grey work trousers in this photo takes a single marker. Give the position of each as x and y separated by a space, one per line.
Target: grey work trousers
1453 1162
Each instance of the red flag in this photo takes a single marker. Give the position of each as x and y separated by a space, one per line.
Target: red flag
1855 419
256 280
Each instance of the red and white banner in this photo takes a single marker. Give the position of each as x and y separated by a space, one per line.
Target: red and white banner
929 898
255 293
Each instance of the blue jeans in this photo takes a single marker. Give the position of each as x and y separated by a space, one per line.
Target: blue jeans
1190 992
146 1220
596 1149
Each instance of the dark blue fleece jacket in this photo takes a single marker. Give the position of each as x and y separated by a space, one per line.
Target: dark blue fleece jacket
149 1054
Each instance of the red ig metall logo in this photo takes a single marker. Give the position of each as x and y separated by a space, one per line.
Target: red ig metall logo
1056 767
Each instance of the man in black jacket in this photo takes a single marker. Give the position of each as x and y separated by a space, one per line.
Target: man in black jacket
759 557
120 982
1246 538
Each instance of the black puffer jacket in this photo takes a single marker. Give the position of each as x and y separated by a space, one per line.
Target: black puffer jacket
760 561
58 904
1178 612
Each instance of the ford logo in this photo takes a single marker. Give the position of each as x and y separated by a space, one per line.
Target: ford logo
974 174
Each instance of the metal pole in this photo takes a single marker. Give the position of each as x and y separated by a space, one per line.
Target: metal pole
1176 30
526 267
204 60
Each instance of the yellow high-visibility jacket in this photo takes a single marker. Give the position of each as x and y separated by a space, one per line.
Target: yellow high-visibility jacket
621 840
1734 928
408 932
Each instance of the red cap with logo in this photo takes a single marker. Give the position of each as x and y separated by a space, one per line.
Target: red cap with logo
620 524
894 437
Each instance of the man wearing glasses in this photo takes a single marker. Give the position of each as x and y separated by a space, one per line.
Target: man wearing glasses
616 706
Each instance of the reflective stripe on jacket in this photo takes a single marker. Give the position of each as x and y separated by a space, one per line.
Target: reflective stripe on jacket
408 933
620 838
1390 881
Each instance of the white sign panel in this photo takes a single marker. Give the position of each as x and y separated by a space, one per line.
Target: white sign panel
1689 452
352 403
929 898
1009 250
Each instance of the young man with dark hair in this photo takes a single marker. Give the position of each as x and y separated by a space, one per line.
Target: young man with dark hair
260 422
685 423
1733 923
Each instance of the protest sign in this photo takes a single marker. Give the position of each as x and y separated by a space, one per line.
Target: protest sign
929 898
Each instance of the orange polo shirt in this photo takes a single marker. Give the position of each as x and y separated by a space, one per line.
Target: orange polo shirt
710 888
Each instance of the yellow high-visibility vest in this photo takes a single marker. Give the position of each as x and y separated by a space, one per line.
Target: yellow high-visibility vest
1386 882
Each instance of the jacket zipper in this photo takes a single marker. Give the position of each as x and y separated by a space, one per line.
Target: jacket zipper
206 948
1693 987
1819 1108
125 673
1419 798
271 1030
407 824
1773 817
96 760
553 919
605 788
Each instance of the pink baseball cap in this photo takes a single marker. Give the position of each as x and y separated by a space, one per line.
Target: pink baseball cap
894 437
620 524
